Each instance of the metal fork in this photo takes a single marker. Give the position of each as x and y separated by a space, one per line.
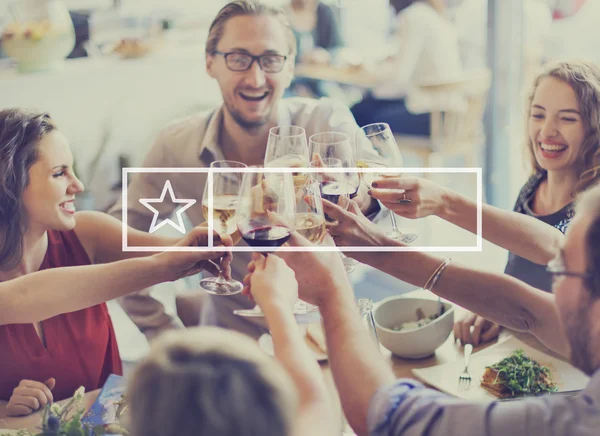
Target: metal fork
465 376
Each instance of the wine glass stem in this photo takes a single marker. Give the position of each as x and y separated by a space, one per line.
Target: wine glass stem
394 224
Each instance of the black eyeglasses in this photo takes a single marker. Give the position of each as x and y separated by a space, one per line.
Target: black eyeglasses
556 267
236 61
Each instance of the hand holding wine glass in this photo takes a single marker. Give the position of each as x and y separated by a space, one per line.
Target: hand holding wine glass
266 214
226 187
379 149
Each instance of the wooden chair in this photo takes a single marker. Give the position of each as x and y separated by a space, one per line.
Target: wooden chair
456 130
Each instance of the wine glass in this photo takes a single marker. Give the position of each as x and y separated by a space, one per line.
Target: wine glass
287 148
336 145
310 223
226 189
266 215
334 185
378 149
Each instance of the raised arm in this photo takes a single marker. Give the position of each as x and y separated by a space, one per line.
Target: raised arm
273 286
498 297
356 363
44 294
520 234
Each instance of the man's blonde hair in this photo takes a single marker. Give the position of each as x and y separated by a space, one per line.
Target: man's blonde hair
213 382
244 8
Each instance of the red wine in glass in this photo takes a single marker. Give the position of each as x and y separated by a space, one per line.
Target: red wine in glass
267 236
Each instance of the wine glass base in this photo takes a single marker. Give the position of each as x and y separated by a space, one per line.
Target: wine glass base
300 308
349 264
405 238
214 286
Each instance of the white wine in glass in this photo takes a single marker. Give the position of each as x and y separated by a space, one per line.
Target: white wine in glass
226 195
378 149
287 148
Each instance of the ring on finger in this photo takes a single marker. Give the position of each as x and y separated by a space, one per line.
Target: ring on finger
404 199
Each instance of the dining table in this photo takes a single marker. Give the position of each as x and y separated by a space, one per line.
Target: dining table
449 351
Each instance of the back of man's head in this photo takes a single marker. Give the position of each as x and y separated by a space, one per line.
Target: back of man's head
589 203
240 8
210 382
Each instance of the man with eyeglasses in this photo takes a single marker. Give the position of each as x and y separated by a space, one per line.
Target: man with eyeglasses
250 52
567 321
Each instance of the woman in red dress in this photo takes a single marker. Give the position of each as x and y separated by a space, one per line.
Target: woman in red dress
55 330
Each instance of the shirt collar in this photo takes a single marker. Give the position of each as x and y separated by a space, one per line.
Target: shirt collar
209 148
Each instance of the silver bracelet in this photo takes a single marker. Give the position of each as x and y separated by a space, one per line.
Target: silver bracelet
436 275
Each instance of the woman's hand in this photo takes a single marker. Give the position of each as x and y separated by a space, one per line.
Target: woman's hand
184 263
426 197
271 282
352 227
30 396
320 275
473 329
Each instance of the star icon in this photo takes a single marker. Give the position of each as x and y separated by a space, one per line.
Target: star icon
179 226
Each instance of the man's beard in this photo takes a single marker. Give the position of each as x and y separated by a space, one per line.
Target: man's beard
244 123
579 334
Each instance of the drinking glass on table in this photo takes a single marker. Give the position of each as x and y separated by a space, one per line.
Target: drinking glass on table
378 149
334 185
226 188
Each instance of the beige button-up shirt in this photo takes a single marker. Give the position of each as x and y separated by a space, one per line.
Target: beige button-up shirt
194 142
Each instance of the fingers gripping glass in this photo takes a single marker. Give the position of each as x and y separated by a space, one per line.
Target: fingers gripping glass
226 195
237 61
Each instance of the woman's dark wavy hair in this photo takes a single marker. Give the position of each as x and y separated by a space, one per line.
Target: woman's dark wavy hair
20 133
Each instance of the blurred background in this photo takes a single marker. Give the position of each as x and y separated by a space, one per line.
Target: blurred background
137 64
132 66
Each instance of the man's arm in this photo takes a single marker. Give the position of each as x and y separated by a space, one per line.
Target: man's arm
406 408
356 363
315 414
497 297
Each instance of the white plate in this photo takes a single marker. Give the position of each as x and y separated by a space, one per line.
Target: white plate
265 342
445 377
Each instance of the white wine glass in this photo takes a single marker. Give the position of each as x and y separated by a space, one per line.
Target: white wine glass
226 189
310 223
286 148
378 149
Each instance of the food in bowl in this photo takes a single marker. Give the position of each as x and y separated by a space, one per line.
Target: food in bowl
421 321
517 375
413 343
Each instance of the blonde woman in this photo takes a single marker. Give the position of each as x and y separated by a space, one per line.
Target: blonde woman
213 382
563 143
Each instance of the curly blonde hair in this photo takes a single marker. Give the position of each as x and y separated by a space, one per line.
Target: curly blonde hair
584 78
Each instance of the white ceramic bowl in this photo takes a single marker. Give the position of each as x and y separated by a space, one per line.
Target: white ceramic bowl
417 343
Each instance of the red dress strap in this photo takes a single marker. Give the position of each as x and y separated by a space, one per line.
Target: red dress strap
81 347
